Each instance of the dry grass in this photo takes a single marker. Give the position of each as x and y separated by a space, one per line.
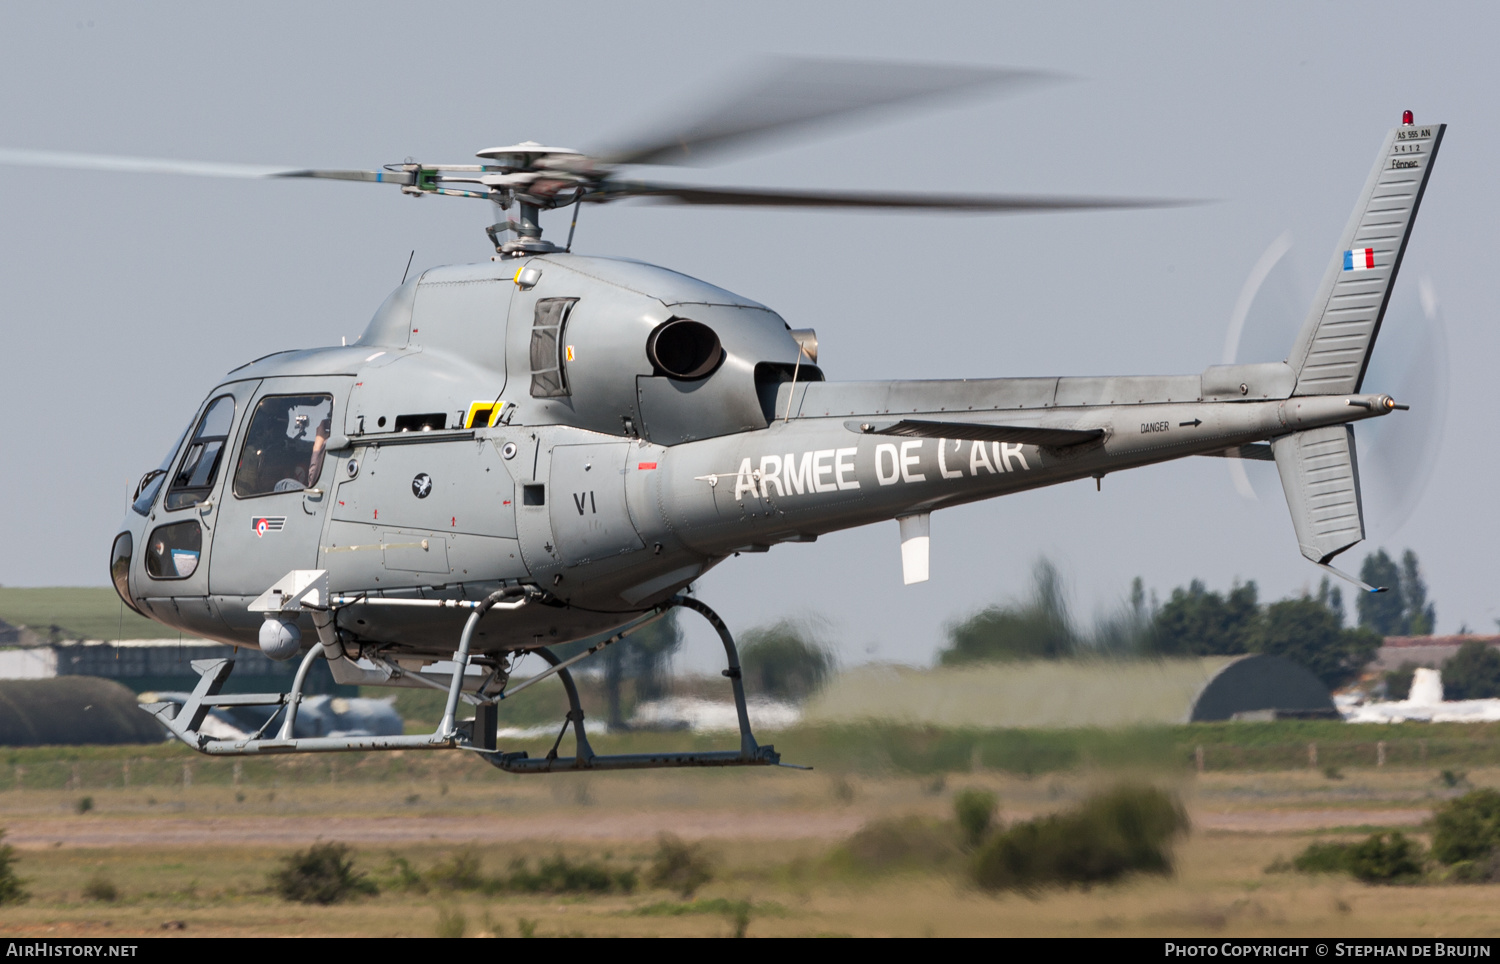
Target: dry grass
770 834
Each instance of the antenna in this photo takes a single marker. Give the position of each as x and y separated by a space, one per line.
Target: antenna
408 265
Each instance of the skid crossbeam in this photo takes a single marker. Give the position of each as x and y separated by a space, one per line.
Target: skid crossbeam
750 753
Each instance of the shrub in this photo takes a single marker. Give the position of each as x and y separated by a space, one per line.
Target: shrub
101 888
1468 828
12 890
679 866
559 875
903 843
1323 858
321 874
1453 778
459 872
1378 859
1129 829
1386 859
451 923
975 811
84 805
401 875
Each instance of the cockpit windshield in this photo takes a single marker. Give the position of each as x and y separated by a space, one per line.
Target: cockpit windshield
195 477
285 444
151 482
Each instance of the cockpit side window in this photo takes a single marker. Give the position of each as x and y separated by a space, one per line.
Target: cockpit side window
195 476
549 350
284 445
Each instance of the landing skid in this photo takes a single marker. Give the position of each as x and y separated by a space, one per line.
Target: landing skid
749 754
478 735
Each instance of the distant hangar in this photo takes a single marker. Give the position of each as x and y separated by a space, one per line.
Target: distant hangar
1050 694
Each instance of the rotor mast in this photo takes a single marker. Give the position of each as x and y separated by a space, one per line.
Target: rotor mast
533 178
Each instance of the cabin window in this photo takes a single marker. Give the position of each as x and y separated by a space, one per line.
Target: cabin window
549 348
195 477
284 445
173 550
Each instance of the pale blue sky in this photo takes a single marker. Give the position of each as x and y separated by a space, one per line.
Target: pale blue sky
127 296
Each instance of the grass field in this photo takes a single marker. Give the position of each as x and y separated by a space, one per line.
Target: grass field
81 612
189 840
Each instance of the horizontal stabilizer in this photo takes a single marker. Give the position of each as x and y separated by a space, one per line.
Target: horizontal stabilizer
1319 471
980 432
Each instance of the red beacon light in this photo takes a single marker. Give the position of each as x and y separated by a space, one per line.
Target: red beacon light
1407 119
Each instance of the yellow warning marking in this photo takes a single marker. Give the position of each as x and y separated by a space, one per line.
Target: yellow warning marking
483 414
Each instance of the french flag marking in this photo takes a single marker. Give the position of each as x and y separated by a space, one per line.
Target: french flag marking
1360 259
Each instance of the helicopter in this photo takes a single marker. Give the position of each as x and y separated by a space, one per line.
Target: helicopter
545 447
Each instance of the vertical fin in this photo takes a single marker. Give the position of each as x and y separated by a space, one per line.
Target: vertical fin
1333 348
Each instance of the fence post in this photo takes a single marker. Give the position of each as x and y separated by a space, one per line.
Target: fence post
75 780
125 773
1312 754
187 776
1198 757
1380 753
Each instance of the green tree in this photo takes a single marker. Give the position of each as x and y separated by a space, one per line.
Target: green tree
784 660
12 889
1405 609
1196 622
1398 681
1421 615
1473 673
1382 612
644 658
1130 630
1308 632
1038 627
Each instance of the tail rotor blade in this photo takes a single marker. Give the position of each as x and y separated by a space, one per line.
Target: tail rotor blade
1410 363
1255 314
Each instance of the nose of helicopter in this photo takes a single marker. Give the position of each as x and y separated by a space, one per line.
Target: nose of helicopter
120 555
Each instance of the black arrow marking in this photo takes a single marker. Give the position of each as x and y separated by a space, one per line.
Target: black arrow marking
1194 423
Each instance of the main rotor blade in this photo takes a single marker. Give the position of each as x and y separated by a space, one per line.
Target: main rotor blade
978 203
791 93
134 165
152 165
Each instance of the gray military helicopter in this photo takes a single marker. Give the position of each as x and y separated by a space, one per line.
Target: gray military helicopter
545 447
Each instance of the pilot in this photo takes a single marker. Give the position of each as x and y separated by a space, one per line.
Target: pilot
320 443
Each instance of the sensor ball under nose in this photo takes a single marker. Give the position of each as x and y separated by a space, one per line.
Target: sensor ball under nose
279 637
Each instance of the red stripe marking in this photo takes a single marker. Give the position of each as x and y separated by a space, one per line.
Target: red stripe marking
1369 257
645 466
